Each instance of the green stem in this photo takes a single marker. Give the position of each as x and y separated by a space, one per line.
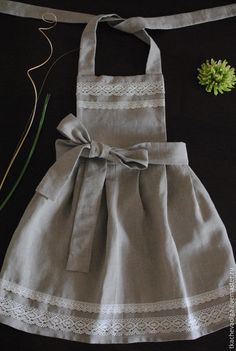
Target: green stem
7 198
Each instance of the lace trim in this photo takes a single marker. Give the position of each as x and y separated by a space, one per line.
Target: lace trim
119 89
114 308
114 105
116 327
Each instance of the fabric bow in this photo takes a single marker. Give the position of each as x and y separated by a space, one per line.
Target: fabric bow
68 153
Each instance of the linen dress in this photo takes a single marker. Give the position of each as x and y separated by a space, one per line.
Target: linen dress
121 241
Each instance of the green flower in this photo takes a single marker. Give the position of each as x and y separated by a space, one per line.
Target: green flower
216 76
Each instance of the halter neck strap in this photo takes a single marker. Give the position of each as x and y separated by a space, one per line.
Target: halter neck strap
89 41
20 9
134 25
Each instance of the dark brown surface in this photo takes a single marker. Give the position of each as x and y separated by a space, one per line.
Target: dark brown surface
206 123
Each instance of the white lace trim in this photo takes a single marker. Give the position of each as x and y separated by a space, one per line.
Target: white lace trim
116 327
114 308
114 105
119 89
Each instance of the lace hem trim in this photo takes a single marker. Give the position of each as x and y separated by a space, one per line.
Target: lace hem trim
114 308
116 327
114 105
119 89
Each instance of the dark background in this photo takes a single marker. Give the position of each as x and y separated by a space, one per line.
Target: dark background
206 123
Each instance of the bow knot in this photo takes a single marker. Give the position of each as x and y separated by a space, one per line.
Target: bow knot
99 150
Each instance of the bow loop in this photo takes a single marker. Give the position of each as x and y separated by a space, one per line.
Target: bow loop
73 129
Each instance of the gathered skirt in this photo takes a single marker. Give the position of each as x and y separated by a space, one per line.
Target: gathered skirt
159 266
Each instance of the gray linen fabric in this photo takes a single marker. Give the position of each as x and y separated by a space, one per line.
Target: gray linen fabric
121 241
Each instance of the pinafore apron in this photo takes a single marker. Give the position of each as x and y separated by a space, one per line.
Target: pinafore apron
121 241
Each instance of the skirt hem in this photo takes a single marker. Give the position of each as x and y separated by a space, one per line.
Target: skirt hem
32 329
